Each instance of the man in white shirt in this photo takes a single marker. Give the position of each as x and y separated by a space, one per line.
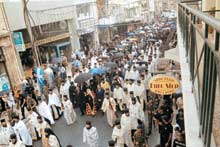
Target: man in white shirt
126 97
41 125
90 135
109 106
140 91
32 117
128 124
22 131
15 142
45 111
131 85
118 135
134 74
5 132
128 73
136 111
118 95
55 104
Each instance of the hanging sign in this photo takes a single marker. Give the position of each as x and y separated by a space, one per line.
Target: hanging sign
163 85
19 42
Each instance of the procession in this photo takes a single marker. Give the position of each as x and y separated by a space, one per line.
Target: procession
113 81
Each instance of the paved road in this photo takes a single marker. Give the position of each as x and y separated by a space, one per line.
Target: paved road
73 134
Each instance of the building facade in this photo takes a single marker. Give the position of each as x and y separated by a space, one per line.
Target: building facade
58 26
126 12
11 73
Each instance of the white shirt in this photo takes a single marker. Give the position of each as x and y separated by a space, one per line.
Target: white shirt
22 131
90 136
118 93
118 134
19 143
54 100
128 122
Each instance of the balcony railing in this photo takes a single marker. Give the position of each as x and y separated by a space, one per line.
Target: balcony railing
198 28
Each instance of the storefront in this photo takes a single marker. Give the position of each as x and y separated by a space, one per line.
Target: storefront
52 52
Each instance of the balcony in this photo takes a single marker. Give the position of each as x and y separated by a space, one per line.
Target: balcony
198 41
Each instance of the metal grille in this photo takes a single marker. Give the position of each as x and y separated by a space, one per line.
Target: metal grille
195 27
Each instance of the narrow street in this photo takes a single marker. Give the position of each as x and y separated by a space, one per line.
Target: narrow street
73 134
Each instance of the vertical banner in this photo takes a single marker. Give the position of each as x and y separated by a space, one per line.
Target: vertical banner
19 42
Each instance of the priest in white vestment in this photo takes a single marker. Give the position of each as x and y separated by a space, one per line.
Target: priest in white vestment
5 132
140 91
45 111
128 73
69 113
118 95
90 135
21 131
128 124
136 110
55 104
64 89
131 85
41 126
134 74
109 106
118 135
126 97
32 119
125 84
15 141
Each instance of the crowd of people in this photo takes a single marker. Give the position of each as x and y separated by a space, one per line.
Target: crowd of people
112 81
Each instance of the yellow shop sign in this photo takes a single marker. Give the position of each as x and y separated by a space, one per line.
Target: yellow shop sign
164 85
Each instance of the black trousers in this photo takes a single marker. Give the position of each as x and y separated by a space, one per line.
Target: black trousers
23 111
73 100
150 123
82 108
163 140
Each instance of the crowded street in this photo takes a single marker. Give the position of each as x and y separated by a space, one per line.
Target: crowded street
109 73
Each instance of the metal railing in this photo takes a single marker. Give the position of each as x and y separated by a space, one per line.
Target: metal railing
204 68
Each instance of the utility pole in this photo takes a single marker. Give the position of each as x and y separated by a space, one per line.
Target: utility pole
30 33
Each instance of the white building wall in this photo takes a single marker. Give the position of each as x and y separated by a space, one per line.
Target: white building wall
14 11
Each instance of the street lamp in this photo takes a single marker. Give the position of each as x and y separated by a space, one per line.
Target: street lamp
3 60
